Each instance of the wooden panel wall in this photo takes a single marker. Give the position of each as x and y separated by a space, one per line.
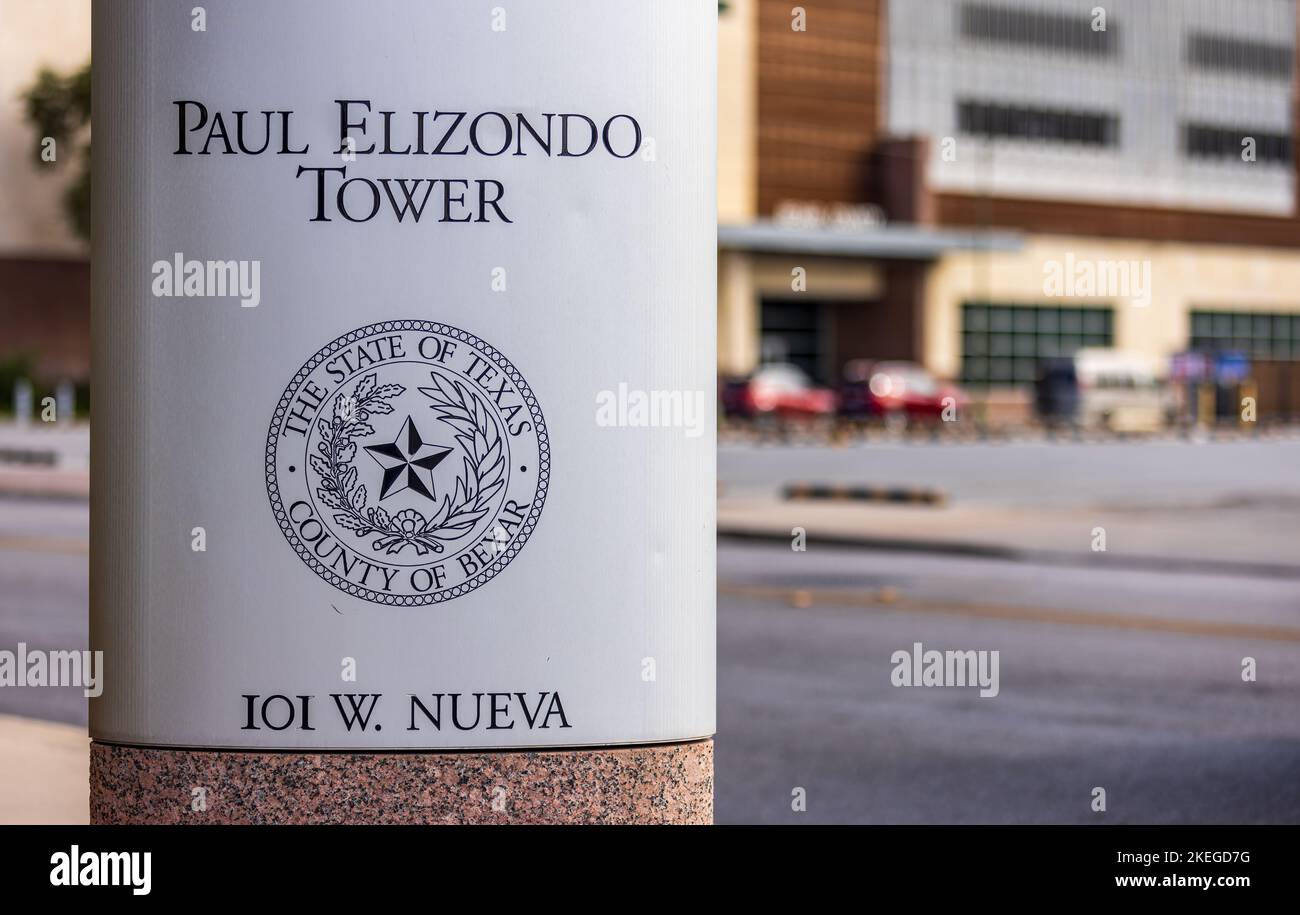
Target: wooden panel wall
820 98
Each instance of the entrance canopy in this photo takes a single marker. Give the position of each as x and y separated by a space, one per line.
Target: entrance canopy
904 242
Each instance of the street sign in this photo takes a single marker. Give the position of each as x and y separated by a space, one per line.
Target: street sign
1189 366
1231 366
404 370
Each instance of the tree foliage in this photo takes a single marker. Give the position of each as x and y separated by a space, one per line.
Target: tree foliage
58 107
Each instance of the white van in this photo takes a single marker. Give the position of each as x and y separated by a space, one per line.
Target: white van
1119 391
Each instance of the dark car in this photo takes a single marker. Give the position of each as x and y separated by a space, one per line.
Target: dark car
1056 391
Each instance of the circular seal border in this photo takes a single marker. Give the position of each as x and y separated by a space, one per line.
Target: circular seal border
525 530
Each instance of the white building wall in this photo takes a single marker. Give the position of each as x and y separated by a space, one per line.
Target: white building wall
1148 84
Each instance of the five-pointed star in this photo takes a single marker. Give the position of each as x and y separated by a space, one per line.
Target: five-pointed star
401 458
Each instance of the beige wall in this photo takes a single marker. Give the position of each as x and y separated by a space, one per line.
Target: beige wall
35 33
825 278
738 112
1183 278
738 314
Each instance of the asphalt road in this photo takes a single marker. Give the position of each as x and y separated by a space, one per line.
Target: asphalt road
1127 680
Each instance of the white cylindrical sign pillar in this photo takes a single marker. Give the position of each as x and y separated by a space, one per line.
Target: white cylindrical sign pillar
404 425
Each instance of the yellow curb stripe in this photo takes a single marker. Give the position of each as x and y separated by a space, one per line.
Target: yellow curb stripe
68 545
1125 621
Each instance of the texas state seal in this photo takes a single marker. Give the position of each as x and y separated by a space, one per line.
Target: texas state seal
407 463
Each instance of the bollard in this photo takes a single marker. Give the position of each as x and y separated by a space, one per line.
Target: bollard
23 402
403 457
65 402
1206 408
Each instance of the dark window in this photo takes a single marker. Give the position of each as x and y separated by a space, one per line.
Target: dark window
1031 28
1004 344
1050 125
1259 335
1208 141
793 332
1240 55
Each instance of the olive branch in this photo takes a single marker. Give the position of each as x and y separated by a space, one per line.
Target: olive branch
480 439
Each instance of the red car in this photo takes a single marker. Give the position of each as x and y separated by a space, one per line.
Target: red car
780 389
898 392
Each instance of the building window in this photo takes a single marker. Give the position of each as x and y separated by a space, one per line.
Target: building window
793 332
1002 344
1031 28
1239 55
1051 125
1258 335
1206 141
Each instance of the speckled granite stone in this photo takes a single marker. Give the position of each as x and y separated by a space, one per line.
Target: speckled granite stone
670 783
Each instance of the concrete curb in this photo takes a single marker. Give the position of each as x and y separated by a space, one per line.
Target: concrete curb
29 457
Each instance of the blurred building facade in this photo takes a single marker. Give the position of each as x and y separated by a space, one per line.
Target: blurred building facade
44 268
897 179
913 179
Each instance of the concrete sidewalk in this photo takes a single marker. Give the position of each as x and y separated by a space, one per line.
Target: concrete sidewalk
44 772
1257 540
